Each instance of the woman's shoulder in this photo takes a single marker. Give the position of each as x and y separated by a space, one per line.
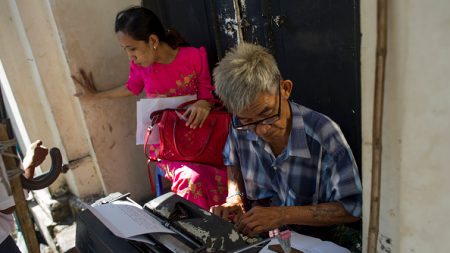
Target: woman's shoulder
193 51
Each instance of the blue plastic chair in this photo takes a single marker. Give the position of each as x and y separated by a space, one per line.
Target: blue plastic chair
159 175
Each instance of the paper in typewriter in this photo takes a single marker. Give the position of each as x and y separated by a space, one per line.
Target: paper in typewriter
128 220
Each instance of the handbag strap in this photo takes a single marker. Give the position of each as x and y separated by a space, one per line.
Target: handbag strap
213 123
155 118
147 135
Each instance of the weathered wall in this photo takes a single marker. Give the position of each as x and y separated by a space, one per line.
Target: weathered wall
87 32
42 44
414 203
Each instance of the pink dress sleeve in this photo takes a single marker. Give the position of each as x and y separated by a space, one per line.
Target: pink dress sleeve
135 82
205 87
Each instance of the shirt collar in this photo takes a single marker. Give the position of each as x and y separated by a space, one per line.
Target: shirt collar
297 145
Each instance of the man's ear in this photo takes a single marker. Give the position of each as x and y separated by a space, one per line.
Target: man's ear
153 40
286 88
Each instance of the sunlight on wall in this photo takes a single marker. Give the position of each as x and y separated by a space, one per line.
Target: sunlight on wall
12 110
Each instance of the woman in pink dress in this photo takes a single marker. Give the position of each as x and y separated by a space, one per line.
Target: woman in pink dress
163 68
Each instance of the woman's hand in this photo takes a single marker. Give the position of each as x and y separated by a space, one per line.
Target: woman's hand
86 82
197 113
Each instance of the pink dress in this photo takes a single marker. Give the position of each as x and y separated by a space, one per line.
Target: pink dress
188 74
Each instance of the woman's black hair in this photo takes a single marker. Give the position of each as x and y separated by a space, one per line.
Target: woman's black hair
139 23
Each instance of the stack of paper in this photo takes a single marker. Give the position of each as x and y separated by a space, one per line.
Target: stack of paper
309 244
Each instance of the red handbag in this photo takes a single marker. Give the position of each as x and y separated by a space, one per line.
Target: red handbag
180 143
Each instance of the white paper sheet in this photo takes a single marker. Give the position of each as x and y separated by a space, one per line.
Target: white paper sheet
126 219
148 105
309 244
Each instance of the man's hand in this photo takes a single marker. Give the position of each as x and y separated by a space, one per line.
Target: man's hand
86 83
197 113
260 219
228 211
35 156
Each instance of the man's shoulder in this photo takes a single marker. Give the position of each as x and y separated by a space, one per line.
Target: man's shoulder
311 118
322 128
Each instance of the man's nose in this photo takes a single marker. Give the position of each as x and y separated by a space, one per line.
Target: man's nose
261 130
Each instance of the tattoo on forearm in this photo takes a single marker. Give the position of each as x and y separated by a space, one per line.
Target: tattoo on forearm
325 212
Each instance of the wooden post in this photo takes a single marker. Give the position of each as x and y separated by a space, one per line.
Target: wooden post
374 219
22 213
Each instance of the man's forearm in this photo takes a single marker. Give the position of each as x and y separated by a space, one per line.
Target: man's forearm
234 180
324 214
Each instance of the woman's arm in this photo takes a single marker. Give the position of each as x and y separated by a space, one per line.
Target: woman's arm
117 92
199 111
205 87
86 82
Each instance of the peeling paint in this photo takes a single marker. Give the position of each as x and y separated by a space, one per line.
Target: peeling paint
230 27
219 246
385 243
196 231
199 233
234 236
243 6
250 240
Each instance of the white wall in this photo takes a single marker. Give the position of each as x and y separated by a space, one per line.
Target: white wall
414 205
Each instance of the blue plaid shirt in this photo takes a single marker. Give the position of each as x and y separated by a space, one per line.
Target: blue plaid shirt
317 166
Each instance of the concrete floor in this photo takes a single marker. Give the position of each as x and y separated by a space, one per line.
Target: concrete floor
54 222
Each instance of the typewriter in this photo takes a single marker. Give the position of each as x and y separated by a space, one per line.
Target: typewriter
195 230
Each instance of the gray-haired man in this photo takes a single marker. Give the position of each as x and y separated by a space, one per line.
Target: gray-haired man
294 159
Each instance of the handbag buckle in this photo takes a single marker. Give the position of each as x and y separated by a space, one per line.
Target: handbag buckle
154 117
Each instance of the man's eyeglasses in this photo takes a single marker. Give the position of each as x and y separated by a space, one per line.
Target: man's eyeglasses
237 124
